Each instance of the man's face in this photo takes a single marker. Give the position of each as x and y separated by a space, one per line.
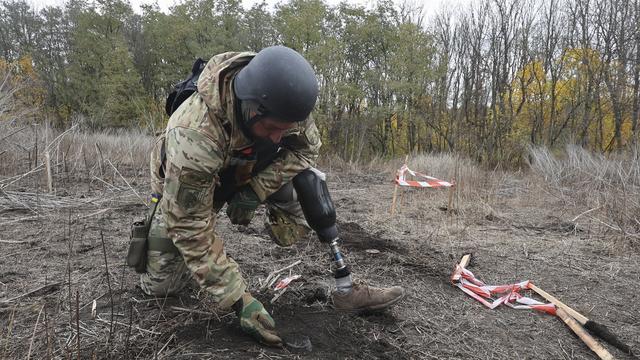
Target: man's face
270 128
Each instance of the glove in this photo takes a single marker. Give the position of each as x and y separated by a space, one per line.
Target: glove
256 321
242 206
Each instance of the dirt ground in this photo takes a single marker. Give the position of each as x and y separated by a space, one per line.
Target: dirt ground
515 230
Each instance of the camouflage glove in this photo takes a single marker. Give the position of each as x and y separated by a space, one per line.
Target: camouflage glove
256 321
242 206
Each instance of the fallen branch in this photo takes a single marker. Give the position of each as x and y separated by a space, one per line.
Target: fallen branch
584 213
165 345
59 137
277 296
126 182
30 292
125 325
12 242
268 281
34 217
20 177
13 133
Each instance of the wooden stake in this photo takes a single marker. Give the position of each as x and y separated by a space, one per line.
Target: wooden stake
574 314
457 274
393 202
47 163
35 148
584 335
594 327
395 191
30 292
100 159
47 160
450 203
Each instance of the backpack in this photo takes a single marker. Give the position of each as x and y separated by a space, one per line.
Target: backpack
185 88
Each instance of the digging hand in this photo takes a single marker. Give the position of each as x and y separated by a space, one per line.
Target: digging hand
256 321
242 206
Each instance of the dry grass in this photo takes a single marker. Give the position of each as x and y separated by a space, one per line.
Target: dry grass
109 160
603 190
73 151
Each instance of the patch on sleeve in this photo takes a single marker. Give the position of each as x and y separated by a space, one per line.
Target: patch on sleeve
195 187
312 134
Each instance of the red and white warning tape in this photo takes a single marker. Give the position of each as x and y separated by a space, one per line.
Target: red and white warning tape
401 179
285 282
494 296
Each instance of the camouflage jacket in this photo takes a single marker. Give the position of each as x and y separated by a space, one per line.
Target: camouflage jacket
202 140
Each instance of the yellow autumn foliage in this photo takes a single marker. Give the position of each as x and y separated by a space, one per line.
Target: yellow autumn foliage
21 79
544 111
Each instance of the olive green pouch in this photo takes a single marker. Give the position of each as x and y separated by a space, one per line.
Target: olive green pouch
139 243
137 254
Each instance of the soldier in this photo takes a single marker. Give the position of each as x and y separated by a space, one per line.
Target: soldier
244 138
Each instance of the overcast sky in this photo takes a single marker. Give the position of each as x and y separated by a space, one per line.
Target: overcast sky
430 6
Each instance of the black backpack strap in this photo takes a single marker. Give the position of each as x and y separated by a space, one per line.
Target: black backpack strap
197 67
163 159
182 90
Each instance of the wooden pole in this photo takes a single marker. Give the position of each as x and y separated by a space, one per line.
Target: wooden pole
594 327
450 203
47 160
457 274
395 191
393 201
584 335
574 314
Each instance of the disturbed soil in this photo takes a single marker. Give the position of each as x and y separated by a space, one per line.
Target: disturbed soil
60 253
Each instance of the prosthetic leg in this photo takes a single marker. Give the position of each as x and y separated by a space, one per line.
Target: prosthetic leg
320 214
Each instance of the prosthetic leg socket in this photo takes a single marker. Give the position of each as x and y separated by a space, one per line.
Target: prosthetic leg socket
320 214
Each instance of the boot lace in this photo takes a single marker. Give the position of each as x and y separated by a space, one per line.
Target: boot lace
357 284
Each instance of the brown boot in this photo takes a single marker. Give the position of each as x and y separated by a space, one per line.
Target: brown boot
365 298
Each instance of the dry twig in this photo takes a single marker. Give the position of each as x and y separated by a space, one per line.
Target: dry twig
34 332
269 279
30 292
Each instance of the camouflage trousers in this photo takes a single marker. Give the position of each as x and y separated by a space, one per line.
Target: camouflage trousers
167 272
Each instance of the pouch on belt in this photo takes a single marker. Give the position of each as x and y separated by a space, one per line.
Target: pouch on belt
138 244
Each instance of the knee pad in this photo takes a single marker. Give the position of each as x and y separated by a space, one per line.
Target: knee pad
316 204
282 229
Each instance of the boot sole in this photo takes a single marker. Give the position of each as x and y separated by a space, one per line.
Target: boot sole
373 308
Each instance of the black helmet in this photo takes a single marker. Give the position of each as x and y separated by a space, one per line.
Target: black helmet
281 81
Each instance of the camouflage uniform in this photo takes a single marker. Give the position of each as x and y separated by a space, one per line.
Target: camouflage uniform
203 139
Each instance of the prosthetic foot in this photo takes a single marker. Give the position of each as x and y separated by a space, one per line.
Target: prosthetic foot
320 214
